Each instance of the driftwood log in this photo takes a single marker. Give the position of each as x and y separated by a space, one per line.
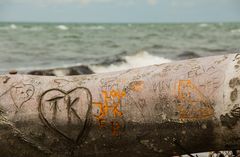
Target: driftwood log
161 110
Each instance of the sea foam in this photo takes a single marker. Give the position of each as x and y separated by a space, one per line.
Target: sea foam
97 27
13 26
62 27
140 59
235 31
203 25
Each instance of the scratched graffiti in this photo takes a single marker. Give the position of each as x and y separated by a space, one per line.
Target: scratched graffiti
163 86
67 113
136 86
4 79
134 97
192 102
20 93
63 82
109 113
209 78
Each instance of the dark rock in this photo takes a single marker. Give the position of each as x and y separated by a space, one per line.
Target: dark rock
114 59
109 61
42 72
188 55
69 71
80 70
13 72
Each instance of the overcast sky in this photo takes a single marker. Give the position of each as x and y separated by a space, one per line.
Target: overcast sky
128 11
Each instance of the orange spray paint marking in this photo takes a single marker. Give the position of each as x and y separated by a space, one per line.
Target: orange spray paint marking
101 116
193 104
110 106
115 128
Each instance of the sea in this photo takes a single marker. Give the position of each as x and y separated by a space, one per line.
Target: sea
110 47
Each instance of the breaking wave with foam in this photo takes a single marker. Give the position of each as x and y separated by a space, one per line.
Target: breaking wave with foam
13 26
62 27
235 30
9 27
140 59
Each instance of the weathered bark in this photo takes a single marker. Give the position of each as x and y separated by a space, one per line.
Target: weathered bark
161 110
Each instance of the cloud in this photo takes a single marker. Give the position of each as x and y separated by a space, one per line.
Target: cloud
91 1
58 1
152 2
82 2
85 1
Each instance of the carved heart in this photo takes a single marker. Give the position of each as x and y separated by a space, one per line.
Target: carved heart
67 113
21 93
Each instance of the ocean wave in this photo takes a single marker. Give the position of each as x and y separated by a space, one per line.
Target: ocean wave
21 27
235 31
34 29
9 27
203 25
138 60
97 27
94 27
62 27
13 26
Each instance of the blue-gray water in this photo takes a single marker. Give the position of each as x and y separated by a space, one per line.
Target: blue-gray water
31 46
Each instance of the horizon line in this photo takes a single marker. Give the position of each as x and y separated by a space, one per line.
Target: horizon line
72 22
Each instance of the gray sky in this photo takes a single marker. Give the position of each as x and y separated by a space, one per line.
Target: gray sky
111 11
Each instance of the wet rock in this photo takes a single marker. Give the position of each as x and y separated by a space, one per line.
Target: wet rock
109 61
188 55
80 70
114 59
69 71
42 72
13 72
